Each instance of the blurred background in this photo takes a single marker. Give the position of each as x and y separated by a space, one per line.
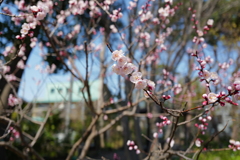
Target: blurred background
67 76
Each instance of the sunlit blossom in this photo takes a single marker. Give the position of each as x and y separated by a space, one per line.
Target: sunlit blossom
171 143
127 68
117 54
212 97
136 76
122 60
198 142
210 22
116 69
141 84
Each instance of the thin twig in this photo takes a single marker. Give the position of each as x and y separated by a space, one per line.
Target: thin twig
86 133
12 15
207 143
41 128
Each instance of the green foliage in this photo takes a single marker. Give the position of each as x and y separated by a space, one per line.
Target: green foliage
221 155
48 144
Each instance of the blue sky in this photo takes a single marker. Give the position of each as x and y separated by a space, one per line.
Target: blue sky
30 89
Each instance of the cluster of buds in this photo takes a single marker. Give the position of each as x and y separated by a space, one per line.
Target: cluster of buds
39 12
123 67
8 50
234 145
222 98
15 134
210 98
78 7
165 122
166 11
234 89
117 14
204 74
165 74
199 40
145 8
177 88
132 4
132 146
166 97
146 16
206 28
12 101
26 30
209 76
203 125
201 62
236 84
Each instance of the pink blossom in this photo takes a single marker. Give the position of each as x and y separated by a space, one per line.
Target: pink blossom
135 77
76 29
34 8
117 54
156 21
235 145
26 26
12 101
10 77
141 84
212 97
25 29
132 5
204 45
21 53
127 68
145 17
53 67
6 69
171 143
122 60
155 134
113 28
214 75
21 64
138 151
7 51
168 1
149 115
209 118
164 12
116 69
200 33
198 142
41 15
237 96
116 15
177 89
105 117
206 74
135 147
210 22
236 84
151 85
